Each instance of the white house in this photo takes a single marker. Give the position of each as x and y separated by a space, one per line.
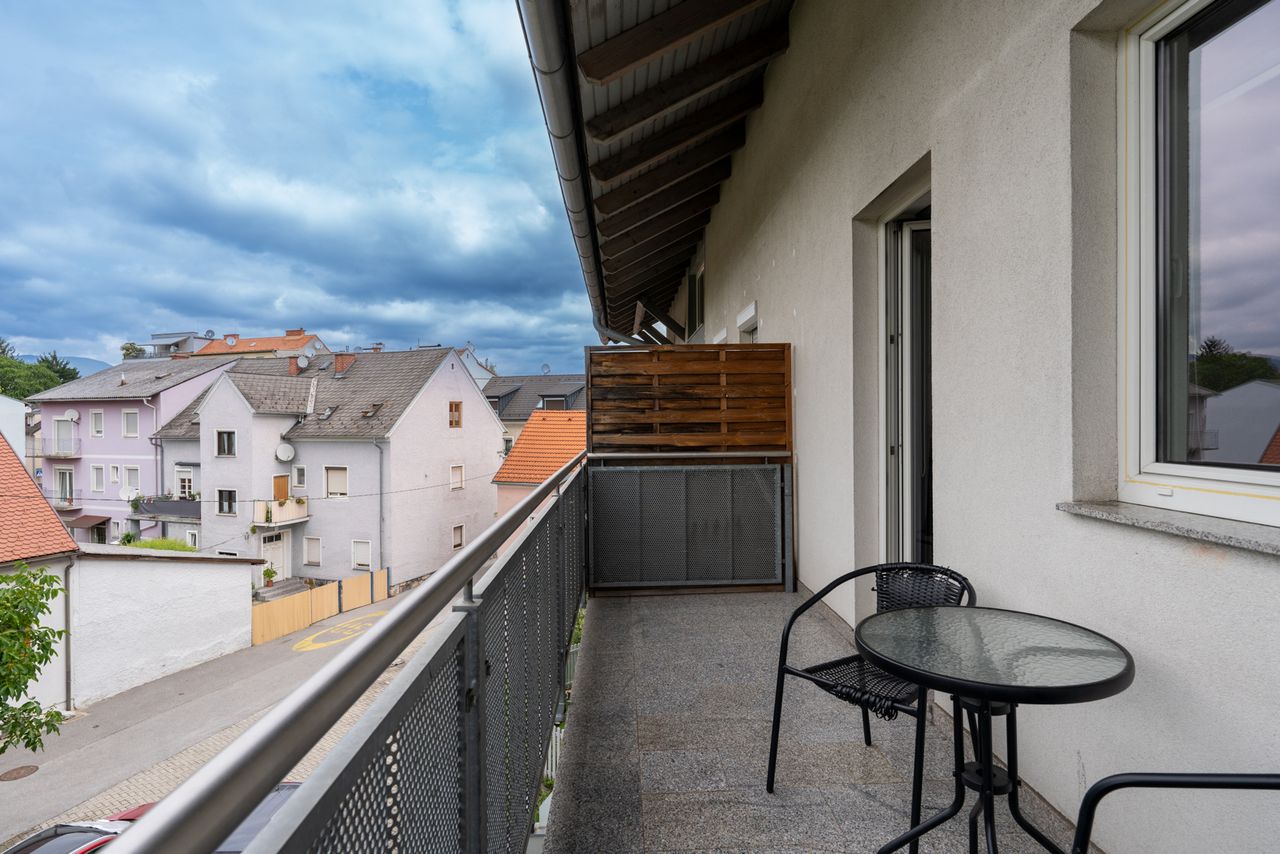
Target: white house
342 462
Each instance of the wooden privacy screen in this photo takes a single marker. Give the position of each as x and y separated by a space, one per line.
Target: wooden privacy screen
689 397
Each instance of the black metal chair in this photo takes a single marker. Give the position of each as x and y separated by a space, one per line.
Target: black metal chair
852 679
1107 785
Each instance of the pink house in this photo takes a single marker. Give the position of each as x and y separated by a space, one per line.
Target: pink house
96 455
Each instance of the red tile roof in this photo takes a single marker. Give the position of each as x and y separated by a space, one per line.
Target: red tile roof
29 527
548 441
255 345
1271 455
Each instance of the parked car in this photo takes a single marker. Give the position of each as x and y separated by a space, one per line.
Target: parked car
74 838
241 836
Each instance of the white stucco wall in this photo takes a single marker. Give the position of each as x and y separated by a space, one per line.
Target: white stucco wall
50 687
13 424
422 509
134 620
1013 117
338 521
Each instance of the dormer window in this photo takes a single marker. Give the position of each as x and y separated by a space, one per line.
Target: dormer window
494 402
553 402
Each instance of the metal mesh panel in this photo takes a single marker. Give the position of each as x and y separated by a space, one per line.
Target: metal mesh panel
675 526
573 555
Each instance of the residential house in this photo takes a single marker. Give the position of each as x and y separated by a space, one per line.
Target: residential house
13 423
516 398
962 217
342 462
294 342
165 344
482 370
548 441
97 455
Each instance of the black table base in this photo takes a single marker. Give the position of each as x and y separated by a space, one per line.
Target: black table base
982 776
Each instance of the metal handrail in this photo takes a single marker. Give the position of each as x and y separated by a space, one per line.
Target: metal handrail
204 810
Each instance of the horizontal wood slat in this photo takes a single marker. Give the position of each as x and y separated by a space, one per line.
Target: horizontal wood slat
713 398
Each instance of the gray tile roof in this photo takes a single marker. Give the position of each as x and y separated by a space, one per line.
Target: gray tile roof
520 396
274 395
142 378
183 425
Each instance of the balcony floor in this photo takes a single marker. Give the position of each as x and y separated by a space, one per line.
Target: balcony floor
667 740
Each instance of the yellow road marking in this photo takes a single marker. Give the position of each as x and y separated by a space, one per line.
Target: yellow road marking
340 633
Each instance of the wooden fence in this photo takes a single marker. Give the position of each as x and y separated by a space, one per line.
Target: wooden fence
689 397
285 616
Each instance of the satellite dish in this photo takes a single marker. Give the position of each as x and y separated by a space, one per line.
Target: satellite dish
129 493
284 452
71 415
310 350
303 361
546 369
208 333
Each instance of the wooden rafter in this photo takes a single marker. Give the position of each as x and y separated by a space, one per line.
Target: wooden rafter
686 132
653 285
681 166
680 213
671 266
635 257
662 317
661 34
698 182
728 65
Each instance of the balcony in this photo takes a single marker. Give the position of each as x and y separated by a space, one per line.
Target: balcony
63 499
55 449
168 509
274 513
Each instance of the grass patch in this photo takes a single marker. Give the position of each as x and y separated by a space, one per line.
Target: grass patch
166 544
577 626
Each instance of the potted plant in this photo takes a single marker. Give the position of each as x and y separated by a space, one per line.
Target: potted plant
269 575
299 500
282 501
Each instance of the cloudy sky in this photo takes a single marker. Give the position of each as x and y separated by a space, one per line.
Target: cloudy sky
373 171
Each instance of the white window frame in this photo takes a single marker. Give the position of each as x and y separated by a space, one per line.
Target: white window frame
97 423
1240 494
117 529
235 506
461 481
97 479
327 493
300 483
354 563
235 444
177 480
138 471
114 472
453 426
459 535
193 539
748 324
306 559
124 423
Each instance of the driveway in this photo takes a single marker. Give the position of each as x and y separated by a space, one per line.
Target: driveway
137 746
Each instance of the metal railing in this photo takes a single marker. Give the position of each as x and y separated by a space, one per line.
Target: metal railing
450 755
57 449
62 498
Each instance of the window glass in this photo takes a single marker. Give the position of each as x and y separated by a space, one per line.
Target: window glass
361 553
95 422
335 481
185 482
553 403
227 502
129 424
226 443
456 479
455 413
193 539
97 478
299 477
133 478
1218 185
457 536
311 551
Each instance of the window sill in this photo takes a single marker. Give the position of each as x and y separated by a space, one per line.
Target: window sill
1224 532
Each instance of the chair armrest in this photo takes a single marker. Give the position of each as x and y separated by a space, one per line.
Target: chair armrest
1107 785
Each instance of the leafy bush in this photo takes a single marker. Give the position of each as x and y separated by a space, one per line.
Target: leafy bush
167 544
25 648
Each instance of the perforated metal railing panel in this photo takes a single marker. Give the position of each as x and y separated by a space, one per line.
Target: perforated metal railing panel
672 526
449 757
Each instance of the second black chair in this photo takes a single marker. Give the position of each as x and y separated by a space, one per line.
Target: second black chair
854 680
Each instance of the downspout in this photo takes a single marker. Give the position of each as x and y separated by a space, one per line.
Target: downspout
381 522
546 32
157 457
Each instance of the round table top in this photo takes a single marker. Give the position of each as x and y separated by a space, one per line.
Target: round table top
993 654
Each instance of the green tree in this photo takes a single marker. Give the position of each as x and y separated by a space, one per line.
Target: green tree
130 350
66 373
1219 367
25 648
21 379
6 350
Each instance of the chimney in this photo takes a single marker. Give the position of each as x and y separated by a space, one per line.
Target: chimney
342 363
377 346
179 355
294 333
293 366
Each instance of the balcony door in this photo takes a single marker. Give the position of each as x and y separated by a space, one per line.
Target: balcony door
65 481
63 437
908 393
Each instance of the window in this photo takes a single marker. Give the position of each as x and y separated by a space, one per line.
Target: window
97 479
507 442
226 443
226 502
311 551
96 422
553 403
455 413
495 402
193 539
457 536
696 306
184 480
1201 189
117 529
229 554
133 480
299 477
115 474
361 554
456 480
749 325
129 423
335 481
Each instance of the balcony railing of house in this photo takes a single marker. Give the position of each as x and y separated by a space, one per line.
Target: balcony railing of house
56 449
685 483
280 511
63 499
175 508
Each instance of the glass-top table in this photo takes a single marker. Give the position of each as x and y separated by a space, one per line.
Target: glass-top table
990 660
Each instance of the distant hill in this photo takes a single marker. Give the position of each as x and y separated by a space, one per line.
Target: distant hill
83 364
